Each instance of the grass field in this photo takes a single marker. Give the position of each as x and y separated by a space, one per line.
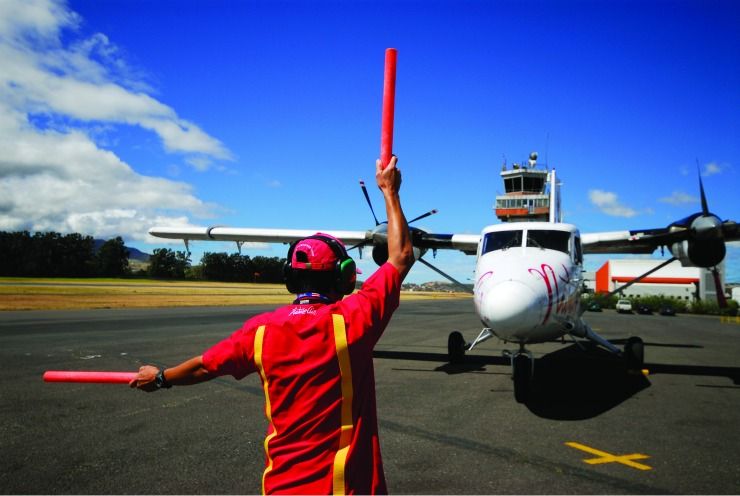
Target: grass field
61 294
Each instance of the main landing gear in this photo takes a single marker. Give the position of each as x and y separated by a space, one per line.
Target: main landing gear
456 347
634 353
522 361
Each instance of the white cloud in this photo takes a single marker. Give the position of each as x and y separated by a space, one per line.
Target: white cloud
679 198
608 203
55 176
711 169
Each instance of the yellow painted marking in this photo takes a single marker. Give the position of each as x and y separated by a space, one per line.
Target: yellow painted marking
728 319
258 339
604 457
345 436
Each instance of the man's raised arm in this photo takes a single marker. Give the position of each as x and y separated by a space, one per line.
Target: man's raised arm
400 249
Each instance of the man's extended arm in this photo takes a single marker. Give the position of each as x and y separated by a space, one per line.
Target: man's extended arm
188 372
400 249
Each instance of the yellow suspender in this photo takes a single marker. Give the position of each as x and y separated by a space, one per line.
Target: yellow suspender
258 338
345 369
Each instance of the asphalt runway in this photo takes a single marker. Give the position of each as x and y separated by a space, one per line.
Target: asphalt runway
444 429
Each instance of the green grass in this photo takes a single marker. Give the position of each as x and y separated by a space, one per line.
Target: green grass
19 293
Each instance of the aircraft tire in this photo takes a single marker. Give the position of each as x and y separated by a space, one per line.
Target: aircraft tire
522 370
456 347
634 353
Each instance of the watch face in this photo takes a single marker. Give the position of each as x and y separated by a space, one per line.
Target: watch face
159 381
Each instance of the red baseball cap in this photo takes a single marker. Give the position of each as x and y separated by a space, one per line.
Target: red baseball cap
315 254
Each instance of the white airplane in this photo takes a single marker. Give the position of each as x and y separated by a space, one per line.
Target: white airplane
528 275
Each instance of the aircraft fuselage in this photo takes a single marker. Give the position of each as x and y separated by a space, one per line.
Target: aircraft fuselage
528 280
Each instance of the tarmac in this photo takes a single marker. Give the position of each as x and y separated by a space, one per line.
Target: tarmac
590 427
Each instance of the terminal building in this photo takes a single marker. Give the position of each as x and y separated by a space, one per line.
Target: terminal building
673 280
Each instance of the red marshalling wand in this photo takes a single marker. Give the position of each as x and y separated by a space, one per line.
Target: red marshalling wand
389 99
94 377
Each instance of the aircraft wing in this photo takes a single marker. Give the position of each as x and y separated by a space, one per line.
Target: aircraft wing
254 235
467 243
646 241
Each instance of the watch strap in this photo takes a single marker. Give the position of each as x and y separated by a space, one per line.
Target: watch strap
161 381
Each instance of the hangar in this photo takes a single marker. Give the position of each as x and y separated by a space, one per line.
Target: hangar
673 280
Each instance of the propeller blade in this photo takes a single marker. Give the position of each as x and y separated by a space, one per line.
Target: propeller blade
721 299
361 244
422 216
449 277
369 203
704 206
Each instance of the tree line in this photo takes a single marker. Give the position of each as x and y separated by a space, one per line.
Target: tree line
51 254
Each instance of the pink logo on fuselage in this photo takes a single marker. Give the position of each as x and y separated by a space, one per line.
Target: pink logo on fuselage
554 294
480 280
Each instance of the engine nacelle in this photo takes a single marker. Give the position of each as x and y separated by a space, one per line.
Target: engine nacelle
380 253
705 253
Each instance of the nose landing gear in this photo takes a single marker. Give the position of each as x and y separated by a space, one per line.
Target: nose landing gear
522 362
522 373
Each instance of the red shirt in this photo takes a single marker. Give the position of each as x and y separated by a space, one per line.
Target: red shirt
315 362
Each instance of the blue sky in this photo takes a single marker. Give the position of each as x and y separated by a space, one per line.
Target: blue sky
119 115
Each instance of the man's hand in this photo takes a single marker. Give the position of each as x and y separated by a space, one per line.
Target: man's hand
145 380
388 179
188 372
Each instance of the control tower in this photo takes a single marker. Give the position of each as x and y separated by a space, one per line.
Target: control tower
526 197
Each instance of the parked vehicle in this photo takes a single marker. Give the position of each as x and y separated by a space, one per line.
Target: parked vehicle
668 310
593 307
644 310
624 306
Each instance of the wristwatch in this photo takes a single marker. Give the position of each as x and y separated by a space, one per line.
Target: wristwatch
160 380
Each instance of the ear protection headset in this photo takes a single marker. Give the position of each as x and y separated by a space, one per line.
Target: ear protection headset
345 270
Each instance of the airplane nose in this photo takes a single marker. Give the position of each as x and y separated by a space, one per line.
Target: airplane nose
511 306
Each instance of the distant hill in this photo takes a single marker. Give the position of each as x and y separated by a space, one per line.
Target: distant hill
133 253
435 286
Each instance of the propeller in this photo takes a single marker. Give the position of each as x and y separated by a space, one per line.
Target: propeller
378 227
704 206
708 226
369 203
423 216
375 218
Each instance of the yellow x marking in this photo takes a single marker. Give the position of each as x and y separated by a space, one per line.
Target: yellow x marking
604 457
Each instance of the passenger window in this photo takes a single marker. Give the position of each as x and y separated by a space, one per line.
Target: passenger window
549 240
501 240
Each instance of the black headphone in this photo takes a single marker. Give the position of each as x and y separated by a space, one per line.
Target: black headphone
345 269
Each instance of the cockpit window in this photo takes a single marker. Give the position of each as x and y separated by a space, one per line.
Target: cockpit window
501 240
551 240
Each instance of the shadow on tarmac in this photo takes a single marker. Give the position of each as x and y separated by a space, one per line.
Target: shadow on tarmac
572 383
569 384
